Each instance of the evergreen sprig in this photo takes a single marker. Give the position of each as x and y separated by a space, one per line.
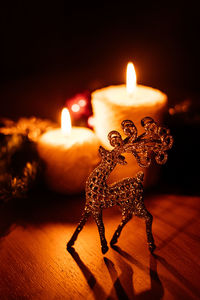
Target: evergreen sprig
19 160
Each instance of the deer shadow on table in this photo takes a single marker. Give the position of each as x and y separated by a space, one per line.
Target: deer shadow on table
157 290
123 287
126 291
123 284
94 285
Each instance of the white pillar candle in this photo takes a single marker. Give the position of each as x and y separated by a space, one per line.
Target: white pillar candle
69 155
113 104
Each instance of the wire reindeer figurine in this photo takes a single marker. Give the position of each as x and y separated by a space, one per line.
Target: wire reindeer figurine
127 193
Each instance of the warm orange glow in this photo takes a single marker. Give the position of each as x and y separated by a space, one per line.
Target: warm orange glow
75 107
130 79
91 121
66 125
82 102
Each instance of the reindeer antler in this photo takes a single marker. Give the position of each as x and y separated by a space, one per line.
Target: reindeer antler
115 138
130 130
155 141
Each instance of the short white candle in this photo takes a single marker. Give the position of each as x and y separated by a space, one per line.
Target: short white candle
113 104
69 156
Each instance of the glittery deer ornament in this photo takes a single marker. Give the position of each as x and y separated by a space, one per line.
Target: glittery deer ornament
127 193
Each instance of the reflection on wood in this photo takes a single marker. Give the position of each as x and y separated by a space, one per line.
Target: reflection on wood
35 264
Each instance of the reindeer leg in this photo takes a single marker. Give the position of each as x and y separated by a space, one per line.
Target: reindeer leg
98 219
150 239
82 222
144 213
126 216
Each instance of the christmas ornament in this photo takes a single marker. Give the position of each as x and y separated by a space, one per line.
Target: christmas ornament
127 193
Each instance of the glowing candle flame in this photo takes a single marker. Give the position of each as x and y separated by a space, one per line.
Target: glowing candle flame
130 79
66 125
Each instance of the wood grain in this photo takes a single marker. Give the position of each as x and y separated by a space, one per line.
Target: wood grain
35 264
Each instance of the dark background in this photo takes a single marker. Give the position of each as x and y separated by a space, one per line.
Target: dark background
52 50
48 52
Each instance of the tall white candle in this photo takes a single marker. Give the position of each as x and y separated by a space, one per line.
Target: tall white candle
113 104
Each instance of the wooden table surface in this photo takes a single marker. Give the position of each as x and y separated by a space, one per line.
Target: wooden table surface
34 263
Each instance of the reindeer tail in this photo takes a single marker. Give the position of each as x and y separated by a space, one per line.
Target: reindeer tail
140 176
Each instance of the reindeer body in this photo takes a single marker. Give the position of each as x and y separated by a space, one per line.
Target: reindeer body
127 193
100 195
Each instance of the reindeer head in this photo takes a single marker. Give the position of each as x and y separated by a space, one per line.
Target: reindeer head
155 141
114 156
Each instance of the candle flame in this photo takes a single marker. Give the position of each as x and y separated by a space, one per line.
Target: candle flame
66 125
130 79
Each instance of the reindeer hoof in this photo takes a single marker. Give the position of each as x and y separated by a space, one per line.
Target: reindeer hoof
152 247
104 249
